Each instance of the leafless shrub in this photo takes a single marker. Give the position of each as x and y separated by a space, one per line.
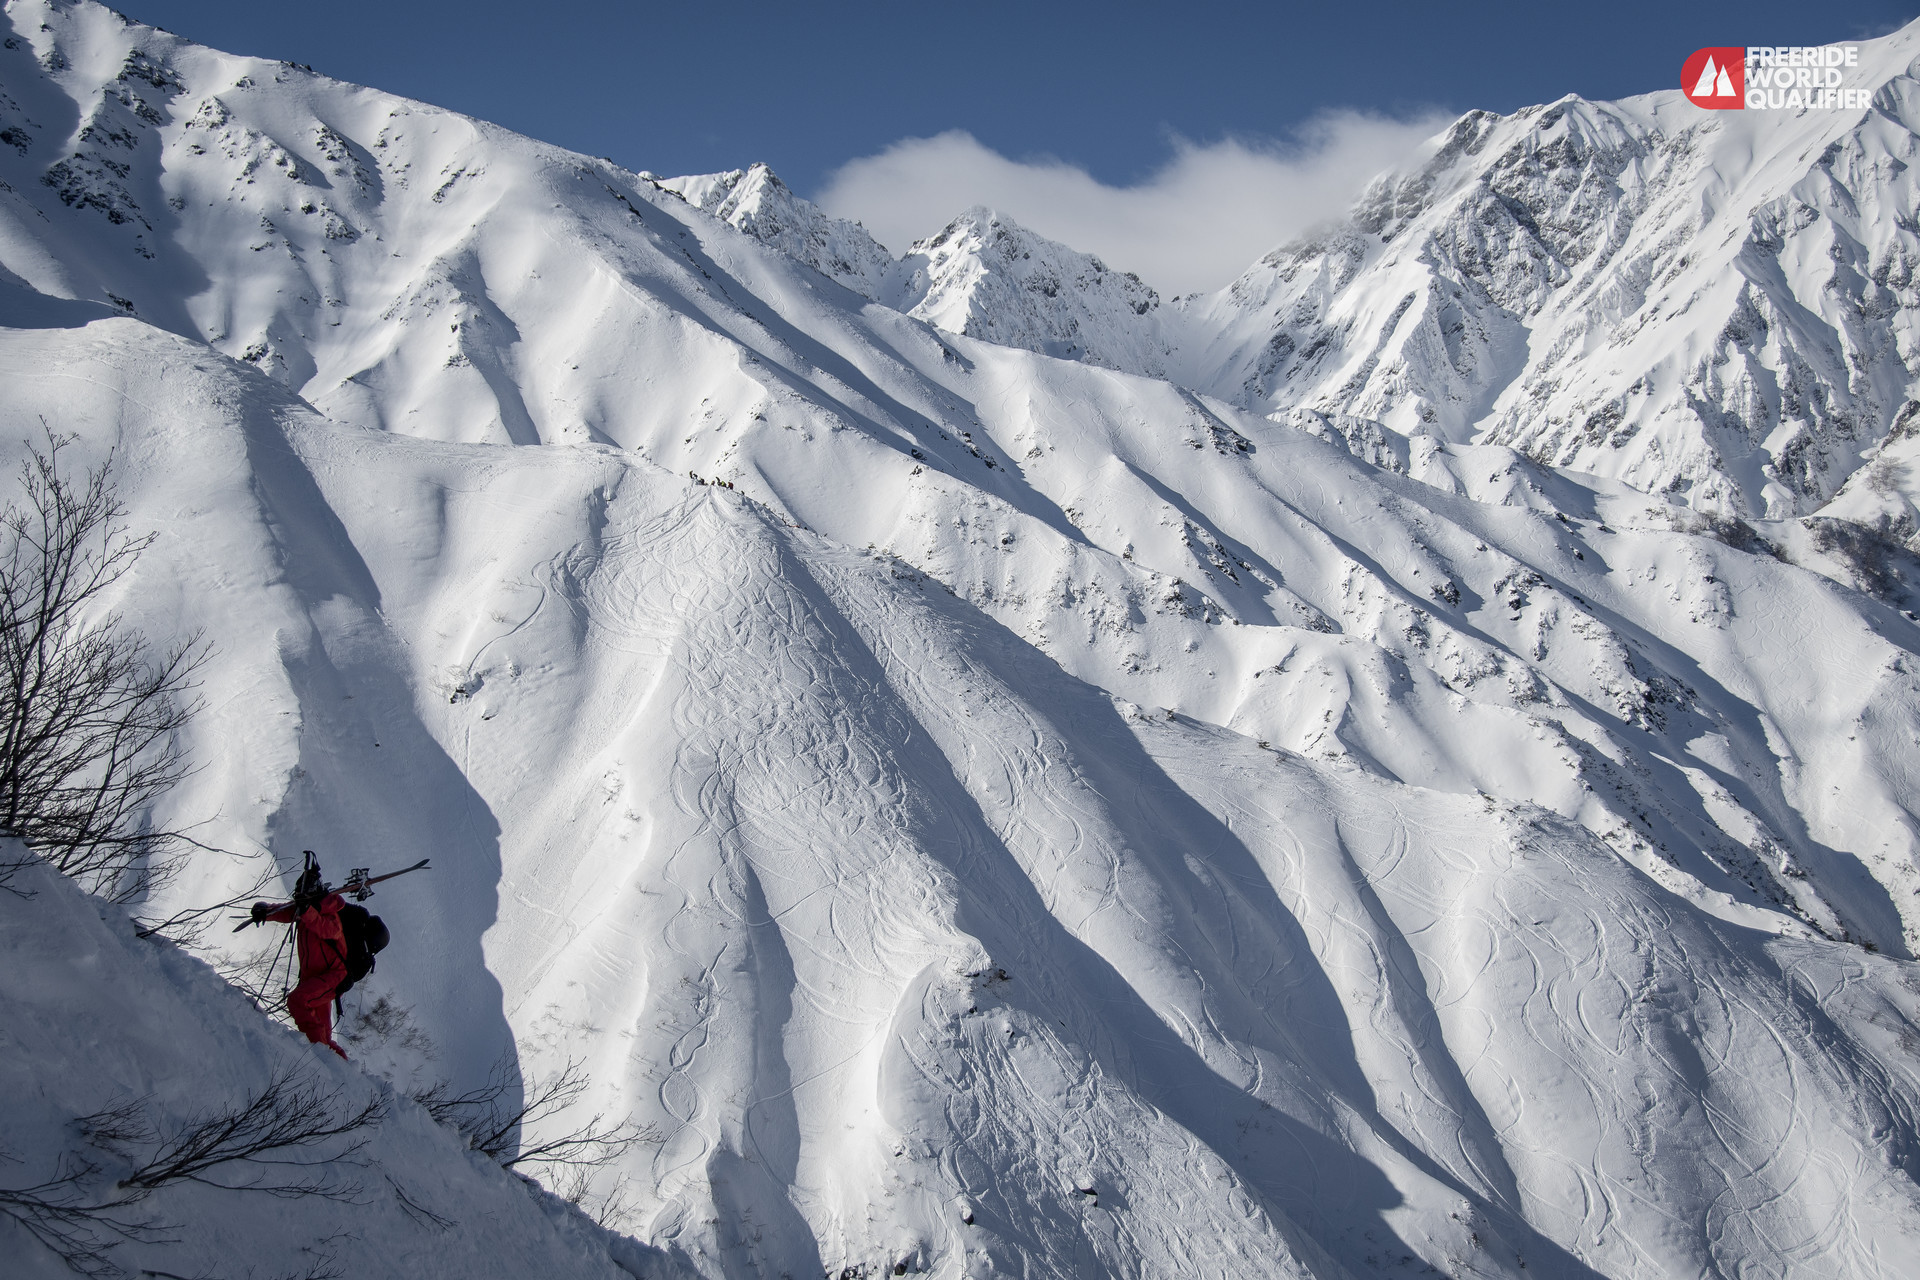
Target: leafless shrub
116 1127
270 1131
187 926
611 1208
385 1023
511 1135
469 1112
79 1229
89 714
290 1139
1729 531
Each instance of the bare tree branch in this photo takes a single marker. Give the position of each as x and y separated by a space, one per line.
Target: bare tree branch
512 1136
185 927
90 716
290 1124
415 1210
610 1209
75 1227
287 1117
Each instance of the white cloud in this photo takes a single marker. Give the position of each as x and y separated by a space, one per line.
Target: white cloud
1207 215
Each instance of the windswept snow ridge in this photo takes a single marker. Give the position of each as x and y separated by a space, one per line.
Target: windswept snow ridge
988 278
983 275
1032 818
755 201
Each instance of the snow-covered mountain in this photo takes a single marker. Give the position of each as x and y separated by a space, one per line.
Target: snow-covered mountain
983 275
987 277
755 201
1040 818
1714 307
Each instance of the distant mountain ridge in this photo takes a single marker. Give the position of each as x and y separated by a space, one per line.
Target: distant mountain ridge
755 201
982 275
1716 307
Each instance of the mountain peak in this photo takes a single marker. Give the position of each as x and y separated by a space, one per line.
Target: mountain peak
754 200
1743 272
986 276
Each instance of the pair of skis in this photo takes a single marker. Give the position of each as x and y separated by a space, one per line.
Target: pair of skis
358 885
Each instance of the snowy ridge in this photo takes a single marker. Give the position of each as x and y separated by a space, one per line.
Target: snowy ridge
1039 819
982 276
987 277
755 201
1712 306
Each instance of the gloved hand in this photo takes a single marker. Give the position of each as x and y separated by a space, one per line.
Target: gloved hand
260 910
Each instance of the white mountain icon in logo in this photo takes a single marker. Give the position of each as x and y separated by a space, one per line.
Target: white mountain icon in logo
1713 82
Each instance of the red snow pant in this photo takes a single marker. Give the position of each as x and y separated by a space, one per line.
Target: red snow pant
322 948
311 1004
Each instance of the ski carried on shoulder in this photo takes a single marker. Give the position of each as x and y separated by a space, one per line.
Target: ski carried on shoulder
358 885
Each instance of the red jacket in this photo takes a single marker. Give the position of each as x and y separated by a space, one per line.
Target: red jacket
317 936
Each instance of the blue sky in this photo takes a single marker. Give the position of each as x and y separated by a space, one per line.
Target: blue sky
695 87
1115 91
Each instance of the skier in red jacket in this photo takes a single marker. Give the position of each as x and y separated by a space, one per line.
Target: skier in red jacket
322 947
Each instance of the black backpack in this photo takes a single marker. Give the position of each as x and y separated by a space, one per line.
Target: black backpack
366 936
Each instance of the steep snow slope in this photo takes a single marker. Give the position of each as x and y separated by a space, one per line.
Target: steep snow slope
1714 305
987 277
94 1020
1117 699
983 275
755 201
886 923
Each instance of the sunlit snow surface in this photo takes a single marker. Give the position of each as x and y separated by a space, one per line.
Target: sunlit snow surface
1180 841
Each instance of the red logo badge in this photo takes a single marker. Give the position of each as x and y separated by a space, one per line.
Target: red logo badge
1716 78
